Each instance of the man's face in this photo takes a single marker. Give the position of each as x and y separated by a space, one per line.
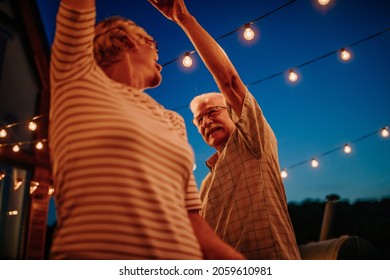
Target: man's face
213 121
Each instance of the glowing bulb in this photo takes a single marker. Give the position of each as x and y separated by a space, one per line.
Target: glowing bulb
314 163
17 183
51 190
293 77
16 148
3 133
284 173
39 145
33 186
323 2
32 126
187 60
2 175
347 149
194 167
249 34
385 132
345 55
13 213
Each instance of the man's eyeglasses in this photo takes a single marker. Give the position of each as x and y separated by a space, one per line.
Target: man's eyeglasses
211 113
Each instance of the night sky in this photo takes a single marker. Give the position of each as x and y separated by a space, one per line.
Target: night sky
333 102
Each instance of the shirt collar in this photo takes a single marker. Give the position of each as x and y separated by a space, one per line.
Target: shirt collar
212 161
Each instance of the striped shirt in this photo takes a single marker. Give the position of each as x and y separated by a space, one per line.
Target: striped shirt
243 195
122 165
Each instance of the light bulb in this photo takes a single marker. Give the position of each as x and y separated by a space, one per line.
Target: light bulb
187 61
32 126
39 145
33 186
3 133
323 2
385 132
194 167
292 76
249 34
50 190
347 149
13 213
284 173
17 183
16 148
314 163
345 55
2 175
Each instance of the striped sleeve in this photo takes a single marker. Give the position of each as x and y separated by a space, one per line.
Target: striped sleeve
192 197
72 54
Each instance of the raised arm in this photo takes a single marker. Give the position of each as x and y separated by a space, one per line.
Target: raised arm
216 60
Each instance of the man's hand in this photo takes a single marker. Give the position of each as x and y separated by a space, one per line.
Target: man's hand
174 10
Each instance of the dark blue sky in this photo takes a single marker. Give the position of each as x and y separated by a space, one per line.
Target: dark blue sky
333 103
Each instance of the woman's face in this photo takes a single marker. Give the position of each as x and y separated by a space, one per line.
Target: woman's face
137 66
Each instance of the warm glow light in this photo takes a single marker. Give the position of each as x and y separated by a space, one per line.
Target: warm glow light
314 163
345 55
385 132
284 173
39 145
347 149
3 133
187 60
2 175
249 34
32 126
13 213
51 190
33 186
293 77
17 183
323 2
16 148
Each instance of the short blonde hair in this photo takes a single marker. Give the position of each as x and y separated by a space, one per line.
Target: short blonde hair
200 98
112 36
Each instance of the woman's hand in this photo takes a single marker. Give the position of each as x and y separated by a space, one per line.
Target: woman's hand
174 10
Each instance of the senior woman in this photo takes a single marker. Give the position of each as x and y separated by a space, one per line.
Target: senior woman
122 166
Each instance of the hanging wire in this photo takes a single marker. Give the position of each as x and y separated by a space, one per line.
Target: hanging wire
305 63
331 151
235 30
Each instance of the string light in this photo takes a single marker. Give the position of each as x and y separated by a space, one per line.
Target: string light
284 173
17 183
240 28
385 132
249 34
314 163
293 76
33 186
345 55
323 2
187 60
13 213
32 126
50 190
3 133
16 148
347 149
2 175
39 145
